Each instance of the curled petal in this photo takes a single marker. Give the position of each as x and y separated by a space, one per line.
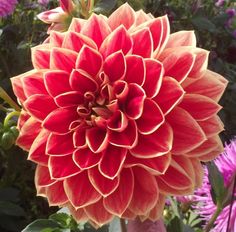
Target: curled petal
97 139
86 159
57 82
118 40
118 121
98 214
115 66
61 167
72 98
74 186
60 144
127 138
151 119
112 161
96 28
153 78
102 184
156 144
187 133
89 60
200 107
181 38
170 94
117 202
124 15
145 193
41 57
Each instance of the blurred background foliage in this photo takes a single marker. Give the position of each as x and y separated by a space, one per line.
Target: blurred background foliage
214 23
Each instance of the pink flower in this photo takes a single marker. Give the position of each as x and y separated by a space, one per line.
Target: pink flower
117 114
59 16
226 163
43 2
7 7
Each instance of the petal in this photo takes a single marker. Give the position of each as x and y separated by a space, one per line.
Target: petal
170 94
208 85
135 70
79 215
102 184
63 59
199 173
181 38
153 79
72 98
156 144
97 139
127 138
187 133
56 38
118 122
42 177
200 107
124 15
142 43
60 144
79 137
76 24
151 119
56 194
134 101
28 133
157 165
156 212
96 28
211 126
37 152
115 66
34 84
179 65
89 60
41 56
61 167
85 158
17 86
53 121
40 105
145 194
75 187
141 17
118 40
98 214
112 161
75 41
118 201
82 82
57 82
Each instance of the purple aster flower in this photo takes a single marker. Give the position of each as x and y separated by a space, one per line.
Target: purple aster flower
231 12
226 164
7 7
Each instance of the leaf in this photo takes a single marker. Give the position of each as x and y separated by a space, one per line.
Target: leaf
104 6
217 183
11 209
41 224
175 225
204 24
62 218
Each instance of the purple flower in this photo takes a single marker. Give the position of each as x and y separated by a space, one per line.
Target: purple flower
7 7
231 12
220 3
43 2
226 164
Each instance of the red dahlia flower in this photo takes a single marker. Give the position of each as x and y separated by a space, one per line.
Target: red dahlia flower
117 114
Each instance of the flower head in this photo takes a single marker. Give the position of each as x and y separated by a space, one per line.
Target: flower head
226 164
43 2
117 113
7 7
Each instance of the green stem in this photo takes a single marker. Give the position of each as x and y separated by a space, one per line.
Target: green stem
123 225
9 116
8 100
213 218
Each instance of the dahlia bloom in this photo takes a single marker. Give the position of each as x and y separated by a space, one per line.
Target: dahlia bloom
7 7
117 114
226 164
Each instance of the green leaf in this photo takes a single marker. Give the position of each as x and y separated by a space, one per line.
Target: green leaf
104 6
11 209
62 218
204 24
41 225
217 183
175 225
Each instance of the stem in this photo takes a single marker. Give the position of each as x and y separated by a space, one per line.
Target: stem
8 100
213 218
9 116
123 225
231 205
